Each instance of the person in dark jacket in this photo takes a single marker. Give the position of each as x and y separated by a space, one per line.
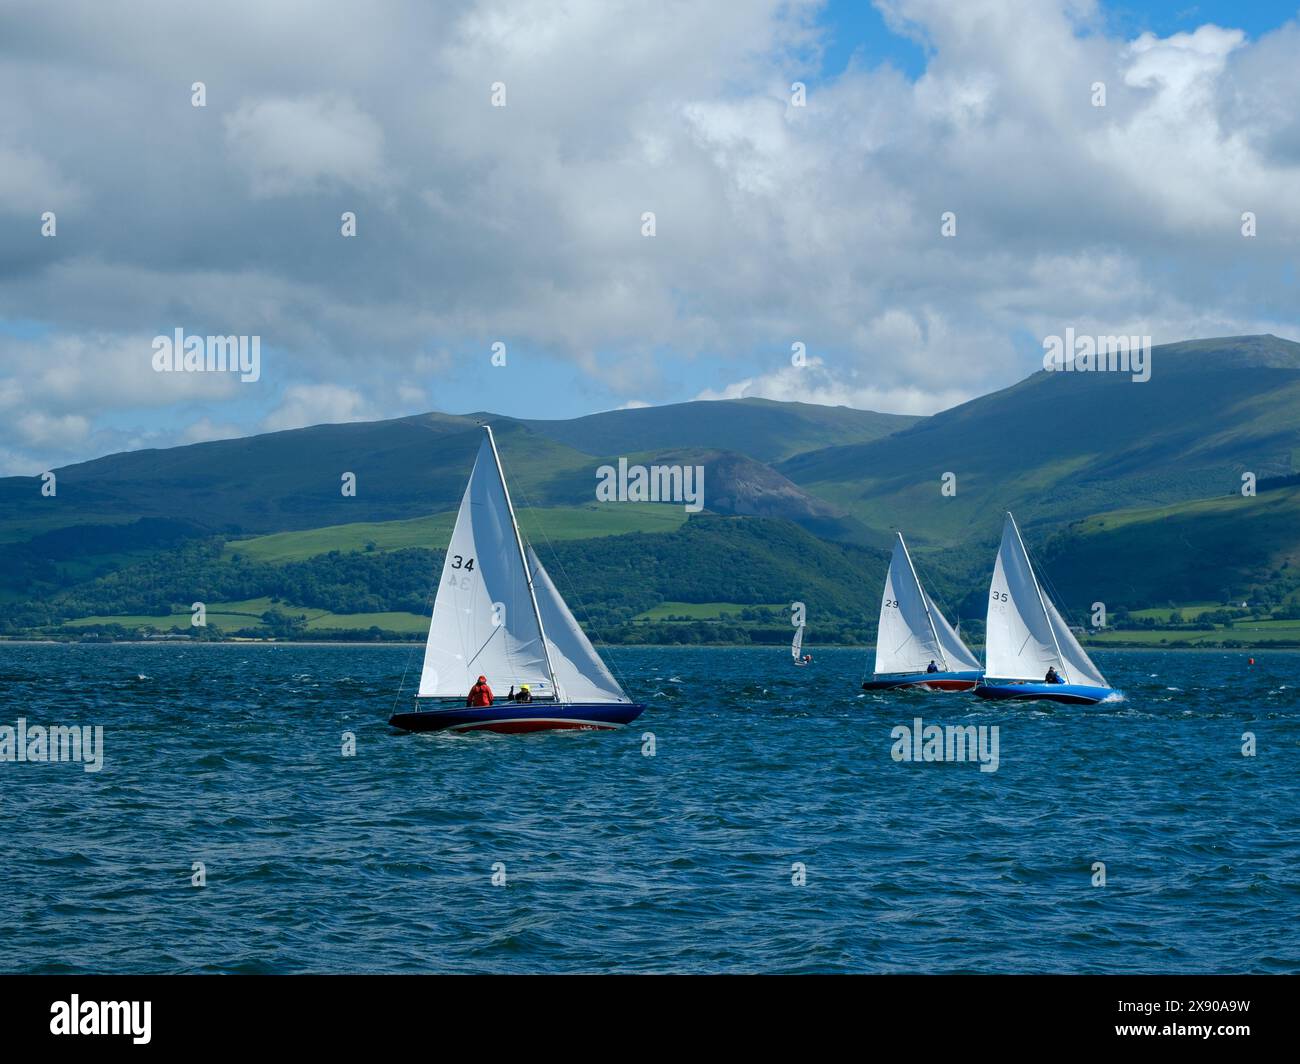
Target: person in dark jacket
1052 675
524 694
480 694
932 667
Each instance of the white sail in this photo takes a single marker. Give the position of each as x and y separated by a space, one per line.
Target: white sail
1025 635
484 618
912 632
957 654
1078 666
797 645
580 673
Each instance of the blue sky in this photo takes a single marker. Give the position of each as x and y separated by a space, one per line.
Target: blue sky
775 224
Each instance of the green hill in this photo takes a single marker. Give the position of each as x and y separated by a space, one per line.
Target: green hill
1126 492
1221 550
411 467
760 428
1059 446
611 581
556 523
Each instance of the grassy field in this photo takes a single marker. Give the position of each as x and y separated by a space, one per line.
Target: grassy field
1191 611
226 615
539 525
231 616
1245 632
406 623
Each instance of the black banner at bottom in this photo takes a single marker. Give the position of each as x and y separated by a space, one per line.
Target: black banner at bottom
226 1013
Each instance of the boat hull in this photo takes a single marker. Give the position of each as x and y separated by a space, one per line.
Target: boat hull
1072 694
926 681
515 717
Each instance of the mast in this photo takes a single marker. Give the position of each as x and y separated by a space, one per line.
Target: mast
925 600
1041 602
523 558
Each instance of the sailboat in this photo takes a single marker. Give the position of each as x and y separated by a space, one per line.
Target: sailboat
1026 635
913 635
796 646
497 614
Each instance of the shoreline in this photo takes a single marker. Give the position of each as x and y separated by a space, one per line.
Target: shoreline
826 648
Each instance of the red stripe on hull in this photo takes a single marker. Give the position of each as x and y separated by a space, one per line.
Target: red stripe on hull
948 685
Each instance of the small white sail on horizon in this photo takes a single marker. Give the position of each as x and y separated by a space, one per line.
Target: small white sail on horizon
1025 634
497 612
912 631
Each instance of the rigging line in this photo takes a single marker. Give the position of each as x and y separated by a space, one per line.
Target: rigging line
943 606
484 647
572 589
1054 596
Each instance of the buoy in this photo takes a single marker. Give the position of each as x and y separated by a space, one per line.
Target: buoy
1252 661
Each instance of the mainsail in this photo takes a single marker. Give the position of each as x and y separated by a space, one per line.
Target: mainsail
497 612
1025 635
797 645
485 620
912 632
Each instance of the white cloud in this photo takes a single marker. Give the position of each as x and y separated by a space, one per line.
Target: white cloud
814 383
294 145
316 404
42 430
775 224
31 185
205 430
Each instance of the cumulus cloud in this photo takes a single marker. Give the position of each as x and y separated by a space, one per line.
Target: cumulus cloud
774 223
306 143
316 404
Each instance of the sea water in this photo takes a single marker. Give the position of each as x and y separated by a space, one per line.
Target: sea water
253 812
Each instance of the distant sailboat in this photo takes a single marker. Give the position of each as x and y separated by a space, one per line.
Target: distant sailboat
913 635
796 647
497 614
1025 636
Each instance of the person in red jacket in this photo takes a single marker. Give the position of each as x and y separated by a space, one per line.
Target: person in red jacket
480 694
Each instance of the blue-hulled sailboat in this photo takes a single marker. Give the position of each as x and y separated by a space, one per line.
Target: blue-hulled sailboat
1025 636
497 614
913 636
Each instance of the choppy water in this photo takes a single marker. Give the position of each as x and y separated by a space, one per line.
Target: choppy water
231 756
